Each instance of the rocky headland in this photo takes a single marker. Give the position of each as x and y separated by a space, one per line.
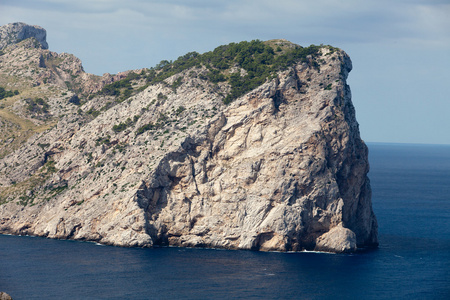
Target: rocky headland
253 145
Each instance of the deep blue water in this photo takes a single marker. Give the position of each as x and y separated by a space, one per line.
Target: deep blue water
411 198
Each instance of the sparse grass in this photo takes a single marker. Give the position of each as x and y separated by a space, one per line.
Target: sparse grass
25 131
19 190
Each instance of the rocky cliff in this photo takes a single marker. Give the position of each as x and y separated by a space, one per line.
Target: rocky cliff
165 156
16 32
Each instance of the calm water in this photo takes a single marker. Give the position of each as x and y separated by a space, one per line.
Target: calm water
411 198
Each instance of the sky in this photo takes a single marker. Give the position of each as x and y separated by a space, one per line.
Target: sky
400 49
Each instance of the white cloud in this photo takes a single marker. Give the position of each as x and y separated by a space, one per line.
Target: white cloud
320 20
432 24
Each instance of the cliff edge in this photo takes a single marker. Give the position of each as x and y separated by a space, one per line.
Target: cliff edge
193 159
15 32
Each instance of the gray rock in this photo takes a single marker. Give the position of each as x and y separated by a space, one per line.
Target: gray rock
15 32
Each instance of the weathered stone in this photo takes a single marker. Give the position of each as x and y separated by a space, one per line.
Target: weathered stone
16 32
338 239
5 296
282 168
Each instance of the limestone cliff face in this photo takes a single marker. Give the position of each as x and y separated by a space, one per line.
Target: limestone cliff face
16 32
282 168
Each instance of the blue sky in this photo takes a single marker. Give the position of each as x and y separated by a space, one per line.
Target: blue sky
400 48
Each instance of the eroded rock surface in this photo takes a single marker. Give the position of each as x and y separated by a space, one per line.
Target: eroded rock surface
338 239
16 32
282 168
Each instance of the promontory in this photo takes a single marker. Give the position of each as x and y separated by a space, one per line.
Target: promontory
253 145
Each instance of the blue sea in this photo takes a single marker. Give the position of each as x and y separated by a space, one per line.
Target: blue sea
411 198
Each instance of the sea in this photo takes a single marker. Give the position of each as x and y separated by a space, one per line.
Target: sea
411 199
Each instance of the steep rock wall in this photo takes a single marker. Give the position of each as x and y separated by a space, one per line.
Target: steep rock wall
281 168
15 32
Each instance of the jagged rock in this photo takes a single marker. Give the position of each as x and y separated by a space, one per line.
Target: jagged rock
281 168
15 32
5 296
338 239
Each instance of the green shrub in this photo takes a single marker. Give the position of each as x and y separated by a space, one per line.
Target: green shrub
161 96
37 105
103 140
260 61
5 94
150 126
120 127
257 58
176 84
50 167
121 88
179 110
93 112
74 100
124 125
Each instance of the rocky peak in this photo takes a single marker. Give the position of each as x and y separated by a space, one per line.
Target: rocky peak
15 32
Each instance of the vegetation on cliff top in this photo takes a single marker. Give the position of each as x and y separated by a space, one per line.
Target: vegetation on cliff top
258 60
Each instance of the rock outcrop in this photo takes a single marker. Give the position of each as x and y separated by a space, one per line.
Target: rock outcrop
281 168
15 32
5 296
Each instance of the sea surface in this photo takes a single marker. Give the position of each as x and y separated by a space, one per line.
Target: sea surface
411 198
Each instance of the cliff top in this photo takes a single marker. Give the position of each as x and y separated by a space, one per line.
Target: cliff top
15 32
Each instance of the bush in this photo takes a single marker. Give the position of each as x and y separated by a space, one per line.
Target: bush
37 105
124 125
179 110
162 97
257 58
93 112
5 94
145 128
260 60
122 88
74 100
176 84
